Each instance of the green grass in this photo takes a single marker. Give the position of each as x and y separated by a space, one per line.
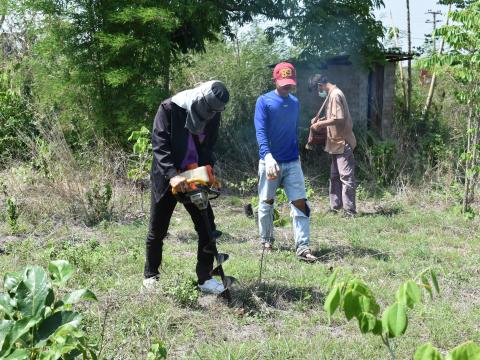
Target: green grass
282 317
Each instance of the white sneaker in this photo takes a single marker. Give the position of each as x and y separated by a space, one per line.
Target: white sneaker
212 286
150 284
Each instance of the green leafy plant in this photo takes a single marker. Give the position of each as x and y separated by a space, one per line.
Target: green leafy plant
243 187
43 157
466 351
184 292
357 301
98 203
141 161
462 63
142 149
281 200
36 325
12 214
157 351
309 189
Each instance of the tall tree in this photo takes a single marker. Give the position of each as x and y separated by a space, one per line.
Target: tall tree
433 82
409 80
120 52
326 27
462 62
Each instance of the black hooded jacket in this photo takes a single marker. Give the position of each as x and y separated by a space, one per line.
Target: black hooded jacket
170 141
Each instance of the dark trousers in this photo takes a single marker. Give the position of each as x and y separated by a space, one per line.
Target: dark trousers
160 215
342 181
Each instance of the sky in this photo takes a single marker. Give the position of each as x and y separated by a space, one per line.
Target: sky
418 9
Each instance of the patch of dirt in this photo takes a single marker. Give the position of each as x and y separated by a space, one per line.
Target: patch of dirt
6 239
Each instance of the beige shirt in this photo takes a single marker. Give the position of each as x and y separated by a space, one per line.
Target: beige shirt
341 132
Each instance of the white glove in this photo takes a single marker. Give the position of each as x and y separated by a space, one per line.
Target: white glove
272 167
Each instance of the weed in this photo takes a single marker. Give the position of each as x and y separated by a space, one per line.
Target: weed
98 201
184 292
157 351
12 214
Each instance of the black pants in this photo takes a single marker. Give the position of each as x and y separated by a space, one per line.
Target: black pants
160 215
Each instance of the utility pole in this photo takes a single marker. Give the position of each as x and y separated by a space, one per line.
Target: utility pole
409 81
434 22
434 76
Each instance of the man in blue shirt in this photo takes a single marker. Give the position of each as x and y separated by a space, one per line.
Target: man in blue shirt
276 121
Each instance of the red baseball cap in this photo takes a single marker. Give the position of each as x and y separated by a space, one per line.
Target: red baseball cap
284 74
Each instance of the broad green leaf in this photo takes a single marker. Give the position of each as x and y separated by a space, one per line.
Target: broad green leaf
11 281
426 285
378 329
427 352
70 329
5 327
79 295
351 305
18 354
361 288
366 322
50 297
32 292
369 304
6 304
332 301
60 271
409 294
53 323
332 278
466 351
394 320
19 328
157 351
435 281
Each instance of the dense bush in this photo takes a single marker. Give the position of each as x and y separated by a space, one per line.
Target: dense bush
15 118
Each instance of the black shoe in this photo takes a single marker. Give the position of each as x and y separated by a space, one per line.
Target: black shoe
216 234
348 214
332 212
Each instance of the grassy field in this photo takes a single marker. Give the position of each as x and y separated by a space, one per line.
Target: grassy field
282 316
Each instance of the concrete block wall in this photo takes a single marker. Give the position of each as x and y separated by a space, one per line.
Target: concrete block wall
351 80
388 100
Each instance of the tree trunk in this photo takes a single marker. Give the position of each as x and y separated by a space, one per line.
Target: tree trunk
409 81
466 194
434 79
473 181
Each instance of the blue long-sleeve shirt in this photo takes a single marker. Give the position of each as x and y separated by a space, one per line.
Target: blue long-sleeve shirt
276 122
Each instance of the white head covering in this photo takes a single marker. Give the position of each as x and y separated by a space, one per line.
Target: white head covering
202 103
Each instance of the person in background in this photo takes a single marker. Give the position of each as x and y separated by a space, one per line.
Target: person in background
185 129
276 121
340 144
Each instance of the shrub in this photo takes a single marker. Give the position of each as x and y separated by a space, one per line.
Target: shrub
36 325
184 292
98 202
12 214
357 301
15 117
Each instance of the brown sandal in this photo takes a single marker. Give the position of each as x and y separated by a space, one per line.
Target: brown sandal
306 255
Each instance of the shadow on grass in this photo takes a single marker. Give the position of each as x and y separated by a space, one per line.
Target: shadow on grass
385 211
260 298
187 237
340 252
